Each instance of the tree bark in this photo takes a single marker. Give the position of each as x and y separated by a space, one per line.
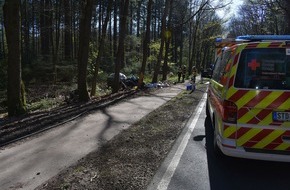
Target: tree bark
163 30
67 28
101 48
58 6
139 16
115 40
34 50
44 29
26 39
85 33
167 44
11 10
288 16
2 39
146 43
122 34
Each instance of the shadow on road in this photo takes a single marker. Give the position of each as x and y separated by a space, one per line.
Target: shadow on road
228 173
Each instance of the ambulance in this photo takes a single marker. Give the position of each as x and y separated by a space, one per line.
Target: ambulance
248 99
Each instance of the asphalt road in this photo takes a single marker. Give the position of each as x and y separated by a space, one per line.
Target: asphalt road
191 165
28 164
199 169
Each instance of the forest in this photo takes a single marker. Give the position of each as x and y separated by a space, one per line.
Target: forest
51 48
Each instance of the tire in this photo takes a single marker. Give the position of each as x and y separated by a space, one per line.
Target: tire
207 109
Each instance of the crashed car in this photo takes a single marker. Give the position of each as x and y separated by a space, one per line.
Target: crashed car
125 82
207 73
110 79
131 81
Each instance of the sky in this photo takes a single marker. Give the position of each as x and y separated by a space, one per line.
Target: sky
236 3
234 6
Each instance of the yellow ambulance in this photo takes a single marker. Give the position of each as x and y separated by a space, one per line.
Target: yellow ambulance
248 100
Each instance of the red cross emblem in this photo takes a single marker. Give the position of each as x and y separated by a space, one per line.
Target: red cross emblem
254 64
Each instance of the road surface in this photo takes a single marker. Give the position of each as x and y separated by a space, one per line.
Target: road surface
197 168
28 164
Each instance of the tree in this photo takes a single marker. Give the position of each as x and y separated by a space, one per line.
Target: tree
285 5
198 16
275 8
11 10
124 5
261 17
85 31
101 48
67 28
45 26
162 36
167 36
145 42
25 55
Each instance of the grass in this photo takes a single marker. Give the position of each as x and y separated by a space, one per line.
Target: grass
45 104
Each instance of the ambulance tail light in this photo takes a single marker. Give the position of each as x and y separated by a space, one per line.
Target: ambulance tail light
230 112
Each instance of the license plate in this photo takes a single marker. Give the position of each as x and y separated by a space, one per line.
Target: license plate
281 116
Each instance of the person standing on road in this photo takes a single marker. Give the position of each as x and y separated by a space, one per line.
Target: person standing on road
183 72
194 72
179 72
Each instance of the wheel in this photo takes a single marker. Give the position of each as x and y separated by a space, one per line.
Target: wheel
207 109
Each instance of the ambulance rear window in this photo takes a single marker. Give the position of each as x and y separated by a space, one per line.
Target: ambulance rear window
263 68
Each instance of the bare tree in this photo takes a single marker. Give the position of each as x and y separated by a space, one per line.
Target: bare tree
261 17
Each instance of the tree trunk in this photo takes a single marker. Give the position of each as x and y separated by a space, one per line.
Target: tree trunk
50 29
154 24
122 34
85 33
131 21
193 46
165 64
67 28
167 43
163 30
181 45
100 19
288 16
2 45
146 43
115 40
11 10
26 39
3 53
110 34
57 38
139 17
75 23
34 50
101 48
44 29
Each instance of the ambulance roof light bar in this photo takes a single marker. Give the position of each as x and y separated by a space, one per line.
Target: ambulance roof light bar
263 38
219 40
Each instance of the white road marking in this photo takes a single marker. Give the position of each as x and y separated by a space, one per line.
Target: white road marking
164 182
